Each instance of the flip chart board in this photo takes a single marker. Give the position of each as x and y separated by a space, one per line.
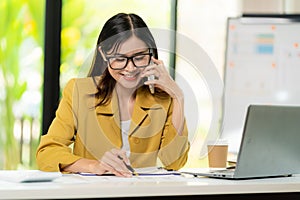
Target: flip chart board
262 67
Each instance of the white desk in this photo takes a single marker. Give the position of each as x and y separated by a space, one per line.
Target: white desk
175 187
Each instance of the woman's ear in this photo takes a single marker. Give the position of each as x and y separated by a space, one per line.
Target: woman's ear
102 54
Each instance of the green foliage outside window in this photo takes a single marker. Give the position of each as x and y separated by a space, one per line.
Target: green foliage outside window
21 66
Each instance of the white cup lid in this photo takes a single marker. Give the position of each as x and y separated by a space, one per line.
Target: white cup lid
217 142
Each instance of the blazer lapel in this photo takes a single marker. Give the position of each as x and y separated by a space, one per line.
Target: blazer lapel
109 120
138 117
147 114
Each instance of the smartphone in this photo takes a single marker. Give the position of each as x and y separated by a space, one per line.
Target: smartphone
151 86
149 78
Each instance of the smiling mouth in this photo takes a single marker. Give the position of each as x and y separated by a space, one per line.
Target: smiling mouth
131 76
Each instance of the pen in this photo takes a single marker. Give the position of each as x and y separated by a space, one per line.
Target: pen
128 167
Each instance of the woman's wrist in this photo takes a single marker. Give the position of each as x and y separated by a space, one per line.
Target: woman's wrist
178 96
92 165
82 165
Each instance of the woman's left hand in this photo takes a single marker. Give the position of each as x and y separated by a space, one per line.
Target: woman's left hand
162 80
165 82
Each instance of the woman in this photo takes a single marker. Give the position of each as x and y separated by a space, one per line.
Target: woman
114 120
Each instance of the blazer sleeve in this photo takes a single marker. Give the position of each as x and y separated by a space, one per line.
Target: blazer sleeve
54 151
174 148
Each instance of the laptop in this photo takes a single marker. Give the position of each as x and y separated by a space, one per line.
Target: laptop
269 145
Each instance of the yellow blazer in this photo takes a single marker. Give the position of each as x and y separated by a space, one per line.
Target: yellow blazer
82 130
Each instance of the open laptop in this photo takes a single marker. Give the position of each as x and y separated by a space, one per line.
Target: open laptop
270 145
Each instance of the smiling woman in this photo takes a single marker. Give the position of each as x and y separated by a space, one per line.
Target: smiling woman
126 73
81 20
113 115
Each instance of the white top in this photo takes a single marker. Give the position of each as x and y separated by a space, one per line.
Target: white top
125 125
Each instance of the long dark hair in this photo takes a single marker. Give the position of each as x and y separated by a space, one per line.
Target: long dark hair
114 32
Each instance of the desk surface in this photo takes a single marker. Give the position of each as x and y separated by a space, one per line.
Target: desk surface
77 186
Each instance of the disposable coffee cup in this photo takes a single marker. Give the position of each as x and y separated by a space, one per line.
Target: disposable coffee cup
217 153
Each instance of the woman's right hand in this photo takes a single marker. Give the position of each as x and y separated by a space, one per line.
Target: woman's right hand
111 162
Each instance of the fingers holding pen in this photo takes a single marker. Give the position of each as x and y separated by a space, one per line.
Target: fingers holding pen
121 155
110 169
111 162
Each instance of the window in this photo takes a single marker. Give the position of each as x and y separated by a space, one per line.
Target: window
205 31
21 68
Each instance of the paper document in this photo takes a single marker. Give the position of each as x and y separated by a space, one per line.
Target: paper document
23 176
154 171
148 171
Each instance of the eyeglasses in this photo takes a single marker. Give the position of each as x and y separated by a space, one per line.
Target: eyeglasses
139 60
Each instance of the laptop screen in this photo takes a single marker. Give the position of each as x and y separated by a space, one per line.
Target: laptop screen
270 143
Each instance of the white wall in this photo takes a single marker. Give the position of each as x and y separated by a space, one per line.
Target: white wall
204 23
271 6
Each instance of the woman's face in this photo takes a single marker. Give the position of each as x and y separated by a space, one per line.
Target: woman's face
130 76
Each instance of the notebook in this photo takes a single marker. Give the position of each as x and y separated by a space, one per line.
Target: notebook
269 145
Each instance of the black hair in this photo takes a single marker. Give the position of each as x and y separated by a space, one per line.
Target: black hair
114 32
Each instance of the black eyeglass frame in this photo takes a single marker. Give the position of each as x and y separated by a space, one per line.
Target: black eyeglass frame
129 58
